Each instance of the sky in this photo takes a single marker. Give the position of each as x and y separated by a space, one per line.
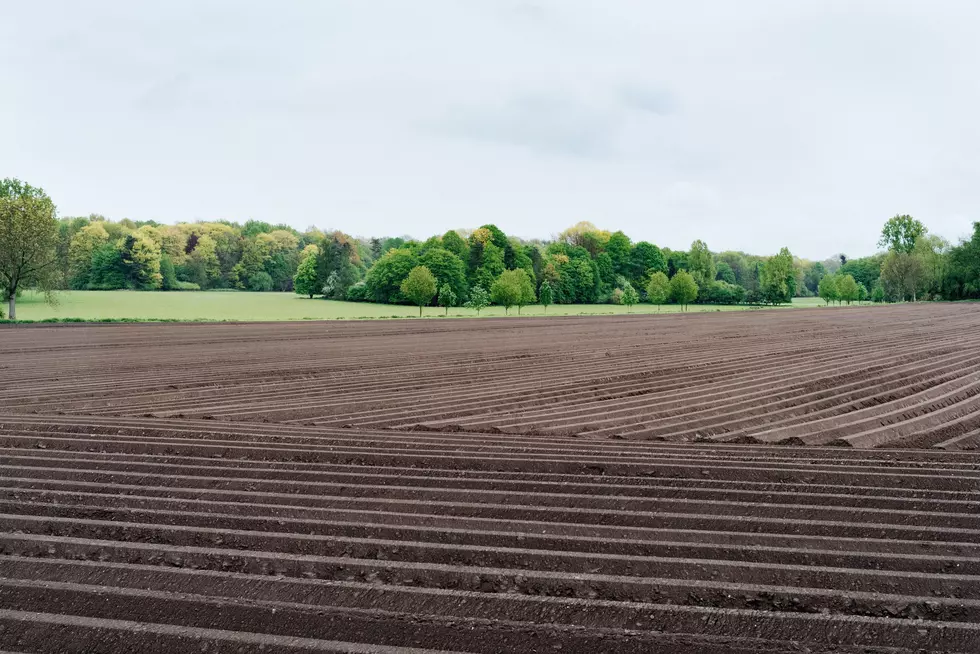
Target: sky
751 125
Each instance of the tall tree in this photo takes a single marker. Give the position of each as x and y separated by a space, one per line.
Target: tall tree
701 264
900 233
828 289
479 299
305 282
903 275
546 296
630 297
419 287
847 289
510 289
28 240
777 274
683 288
447 298
658 289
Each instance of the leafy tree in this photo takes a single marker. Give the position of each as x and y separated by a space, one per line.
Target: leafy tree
701 264
455 243
168 276
811 276
479 299
108 270
658 289
963 278
506 290
141 258
385 277
725 273
630 297
878 294
902 275
776 273
527 295
260 281
721 292
305 281
847 289
862 293
338 254
80 251
619 248
447 268
202 265
447 298
419 287
28 240
683 288
645 259
546 295
900 233
828 289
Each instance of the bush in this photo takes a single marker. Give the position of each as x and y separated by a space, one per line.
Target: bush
359 292
260 281
616 297
187 286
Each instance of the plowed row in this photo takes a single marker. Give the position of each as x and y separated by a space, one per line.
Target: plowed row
566 485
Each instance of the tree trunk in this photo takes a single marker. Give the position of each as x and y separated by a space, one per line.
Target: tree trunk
420 311
12 304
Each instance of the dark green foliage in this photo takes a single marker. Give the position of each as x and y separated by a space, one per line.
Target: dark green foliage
358 292
866 270
619 249
812 277
645 259
260 281
385 277
721 292
777 283
306 280
683 288
963 279
725 273
455 243
447 268
108 271
167 273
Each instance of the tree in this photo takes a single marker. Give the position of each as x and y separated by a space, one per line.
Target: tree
141 259
828 289
506 290
725 273
777 272
447 268
479 299
645 258
305 281
447 298
630 296
658 289
902 275
168 276
527 295
385 277
701 264
900 233
847 289
546 296
88 239
862 292
683 288
878 294
28 240
419 287
260 282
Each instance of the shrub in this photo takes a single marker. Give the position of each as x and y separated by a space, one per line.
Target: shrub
359 292
260 281
187 286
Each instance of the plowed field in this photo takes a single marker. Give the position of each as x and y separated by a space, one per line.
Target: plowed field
630 484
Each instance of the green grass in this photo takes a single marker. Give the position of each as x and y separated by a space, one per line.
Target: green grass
211 305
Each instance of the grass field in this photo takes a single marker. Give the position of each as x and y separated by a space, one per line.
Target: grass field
211 305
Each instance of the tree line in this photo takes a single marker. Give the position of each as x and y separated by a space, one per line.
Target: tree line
474 268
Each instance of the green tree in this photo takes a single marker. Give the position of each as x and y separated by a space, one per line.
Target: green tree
658 289
447 268
261 282
774 284
506 290
527 295
305 281
141 258
645 259
455 243
28 241
828 289
900 233
479 299
862 292
419 287
878 293
725 273
701 264
847 289
903 275
83 245
108 272
546 296
630 296
385 277
683 288
447 298
168 275
619 248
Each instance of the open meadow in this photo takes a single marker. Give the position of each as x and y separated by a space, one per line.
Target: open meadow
246 306
577 484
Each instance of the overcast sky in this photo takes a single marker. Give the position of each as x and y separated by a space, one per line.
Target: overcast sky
750 124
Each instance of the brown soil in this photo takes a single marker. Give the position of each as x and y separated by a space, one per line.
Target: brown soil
522 485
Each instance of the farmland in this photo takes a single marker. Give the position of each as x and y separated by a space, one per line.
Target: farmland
759 481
